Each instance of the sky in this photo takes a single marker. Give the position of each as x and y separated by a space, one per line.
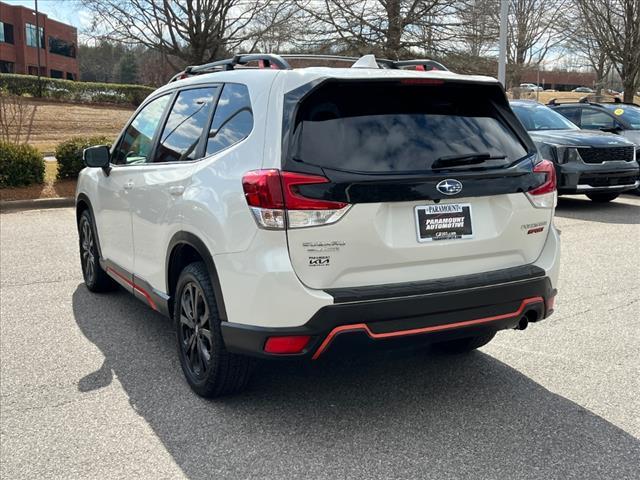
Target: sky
66 11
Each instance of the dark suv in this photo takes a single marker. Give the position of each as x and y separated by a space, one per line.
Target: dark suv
608 114
597 164
612 116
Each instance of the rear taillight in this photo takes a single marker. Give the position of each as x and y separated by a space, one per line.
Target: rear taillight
545 195
276 202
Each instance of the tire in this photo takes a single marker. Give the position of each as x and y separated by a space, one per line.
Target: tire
464 345
210 370
95 278
602 197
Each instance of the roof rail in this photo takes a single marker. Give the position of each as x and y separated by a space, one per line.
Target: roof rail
600 99
269 60
266 60
426 64
559 100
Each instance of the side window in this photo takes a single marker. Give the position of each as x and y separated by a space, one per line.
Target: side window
572 113
233 119
136 143
188 118
593 119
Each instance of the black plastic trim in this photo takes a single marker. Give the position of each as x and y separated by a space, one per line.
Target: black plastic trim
186 238
376 292
403 313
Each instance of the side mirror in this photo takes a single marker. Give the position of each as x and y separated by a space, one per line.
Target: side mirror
97 157
612 129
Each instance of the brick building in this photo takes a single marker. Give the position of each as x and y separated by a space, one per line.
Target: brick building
560 79
19 39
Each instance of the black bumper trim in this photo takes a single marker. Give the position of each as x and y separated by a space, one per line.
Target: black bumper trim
397 314
377 292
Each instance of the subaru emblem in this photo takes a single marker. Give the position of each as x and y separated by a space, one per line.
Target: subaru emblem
449 186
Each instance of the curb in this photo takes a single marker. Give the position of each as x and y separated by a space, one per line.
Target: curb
37 204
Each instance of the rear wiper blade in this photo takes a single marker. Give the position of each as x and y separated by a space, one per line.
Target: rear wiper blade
468 159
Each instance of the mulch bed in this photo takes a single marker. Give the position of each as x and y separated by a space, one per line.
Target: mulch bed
60 188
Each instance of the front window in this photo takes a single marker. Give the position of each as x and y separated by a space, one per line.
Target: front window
536 117
32 37
137 141
399 127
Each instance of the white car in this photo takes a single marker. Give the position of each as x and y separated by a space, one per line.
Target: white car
272 211
531 87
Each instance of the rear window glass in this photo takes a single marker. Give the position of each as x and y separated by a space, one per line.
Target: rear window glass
393 127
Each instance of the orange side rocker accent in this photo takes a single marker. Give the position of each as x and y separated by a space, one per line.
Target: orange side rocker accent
141 290
414 331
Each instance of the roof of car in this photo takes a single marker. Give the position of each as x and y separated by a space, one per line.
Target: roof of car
294 77
590 100
526 102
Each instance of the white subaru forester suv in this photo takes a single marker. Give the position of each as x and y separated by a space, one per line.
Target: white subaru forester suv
276 212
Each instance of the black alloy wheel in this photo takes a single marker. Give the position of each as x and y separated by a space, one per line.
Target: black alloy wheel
95 278
195 330
210 370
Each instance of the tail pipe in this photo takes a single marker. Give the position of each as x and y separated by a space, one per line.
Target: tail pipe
529 316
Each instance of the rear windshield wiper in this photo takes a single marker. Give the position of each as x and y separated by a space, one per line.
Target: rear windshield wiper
461 160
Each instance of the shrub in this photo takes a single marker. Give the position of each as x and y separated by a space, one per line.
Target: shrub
20 165
69 154
27 85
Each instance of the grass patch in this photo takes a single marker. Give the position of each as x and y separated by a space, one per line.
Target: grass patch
50 172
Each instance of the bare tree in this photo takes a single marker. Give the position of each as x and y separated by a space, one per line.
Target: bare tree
185 31
534 28
615 26
586 46
16 119
478 30
391 28
282 27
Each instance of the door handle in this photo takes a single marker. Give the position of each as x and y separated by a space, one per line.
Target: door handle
129 185
176 190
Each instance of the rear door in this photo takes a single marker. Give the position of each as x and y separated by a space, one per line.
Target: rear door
434 173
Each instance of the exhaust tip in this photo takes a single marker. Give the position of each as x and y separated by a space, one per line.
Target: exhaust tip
523 323
529 316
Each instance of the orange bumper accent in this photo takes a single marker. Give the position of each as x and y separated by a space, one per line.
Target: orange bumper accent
416 331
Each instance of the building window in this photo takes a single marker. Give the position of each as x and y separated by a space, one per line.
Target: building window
57 74
33 70
62 47
6 33
70 76
7 67
32 37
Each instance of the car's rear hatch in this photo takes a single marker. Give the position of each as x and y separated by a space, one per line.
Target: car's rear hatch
427 175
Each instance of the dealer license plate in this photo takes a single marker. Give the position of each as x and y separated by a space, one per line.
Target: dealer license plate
450 221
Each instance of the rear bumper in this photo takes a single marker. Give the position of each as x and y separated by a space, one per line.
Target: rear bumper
575 178
429 311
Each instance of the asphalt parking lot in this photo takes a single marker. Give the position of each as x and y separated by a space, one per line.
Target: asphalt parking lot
91 386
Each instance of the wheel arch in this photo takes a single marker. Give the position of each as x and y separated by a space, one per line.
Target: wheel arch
82 204
184 248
